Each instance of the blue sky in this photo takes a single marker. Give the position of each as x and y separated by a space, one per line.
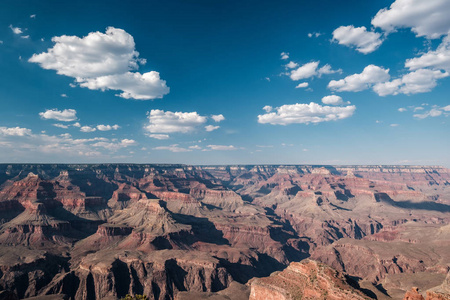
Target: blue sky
225 82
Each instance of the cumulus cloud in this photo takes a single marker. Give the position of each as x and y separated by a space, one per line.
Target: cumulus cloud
218 118
419 81
14 131
302 85
173 148
67 115
284 55
159 136
358 82
291 65
425 18
311 69
160 121
332 100
305 114
436 111
107 127
402 109
211 127
438 59
103 61
221 147
21 141
364 41
268 108
87 129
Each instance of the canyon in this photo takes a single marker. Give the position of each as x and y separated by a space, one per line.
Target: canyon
94 231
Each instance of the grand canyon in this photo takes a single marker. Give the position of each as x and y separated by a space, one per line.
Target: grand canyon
99 231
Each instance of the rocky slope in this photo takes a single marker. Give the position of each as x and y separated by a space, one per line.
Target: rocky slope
167 231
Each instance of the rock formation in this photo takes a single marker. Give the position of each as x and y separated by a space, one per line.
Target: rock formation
177 231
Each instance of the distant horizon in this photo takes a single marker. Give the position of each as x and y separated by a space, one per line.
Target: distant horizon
225 165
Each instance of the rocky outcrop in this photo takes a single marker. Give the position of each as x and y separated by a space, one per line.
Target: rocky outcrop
305 280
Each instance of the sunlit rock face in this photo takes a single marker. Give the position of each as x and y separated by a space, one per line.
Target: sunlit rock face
193 232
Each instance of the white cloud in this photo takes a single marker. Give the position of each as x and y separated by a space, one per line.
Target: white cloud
66 115
159 136
218 118
302 85
103 61
419 81
16 30
160 121
438 59
284 55
364 41
26 143
402 109
25 36
115 145
314 34
64 95
133 85
425 18
195 147
14 131
107 127
221 147
436 111
310 70
291 65
332 100
33 16
306 113
61 126
172 148
211 127
358 82
394 125
268 108
88 129
77 124
305 71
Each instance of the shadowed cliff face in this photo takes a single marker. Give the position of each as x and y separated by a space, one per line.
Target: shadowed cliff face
96 231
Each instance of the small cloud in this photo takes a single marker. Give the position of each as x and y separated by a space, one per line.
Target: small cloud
332 100
33 16
267 108
64 95
218 118
107 127
314 34
159 136
284 55
172 148
402 109
267 78
211 127
88 129
25 36
195 147
61 126
393 125
76 124
16 30
221 147
66 115
291 65
302 85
